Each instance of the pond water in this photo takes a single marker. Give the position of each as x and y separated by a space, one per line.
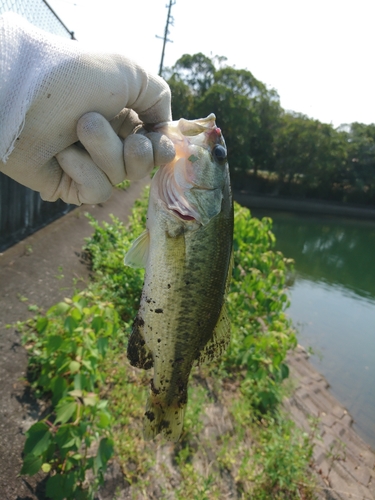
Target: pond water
332 294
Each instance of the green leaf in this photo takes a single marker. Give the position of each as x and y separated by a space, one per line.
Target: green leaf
80 382
64 435
97 323
193 158
284 371
65 412
105 452
59 309
55 487
54 342
77 393
31 465
70 324
102 346
41 324
59 387
75 314
74 366
90 400
46 468
104 419
106 449
87 364
38 438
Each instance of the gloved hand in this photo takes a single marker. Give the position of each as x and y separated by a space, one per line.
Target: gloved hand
55 92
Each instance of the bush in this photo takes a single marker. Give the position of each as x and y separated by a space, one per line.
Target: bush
66 347
76 353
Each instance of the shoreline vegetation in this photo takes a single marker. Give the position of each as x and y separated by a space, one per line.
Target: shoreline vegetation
237 437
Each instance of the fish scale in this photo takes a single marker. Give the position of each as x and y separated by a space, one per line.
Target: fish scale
182 317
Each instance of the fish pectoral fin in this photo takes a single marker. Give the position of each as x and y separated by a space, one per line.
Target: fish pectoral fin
137 255
219 341
139 354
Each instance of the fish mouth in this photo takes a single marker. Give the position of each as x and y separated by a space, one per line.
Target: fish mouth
182 216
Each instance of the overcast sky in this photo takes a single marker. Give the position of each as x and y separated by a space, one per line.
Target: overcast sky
318 55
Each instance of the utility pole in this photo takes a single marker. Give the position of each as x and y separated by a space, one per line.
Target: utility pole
166 33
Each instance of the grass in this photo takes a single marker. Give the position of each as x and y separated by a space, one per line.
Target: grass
236 442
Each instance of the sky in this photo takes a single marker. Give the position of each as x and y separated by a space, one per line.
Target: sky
318 55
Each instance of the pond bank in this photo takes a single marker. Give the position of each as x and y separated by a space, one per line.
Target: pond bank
40 270
344 463
303 205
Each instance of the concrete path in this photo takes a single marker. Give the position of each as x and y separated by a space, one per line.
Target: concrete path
344 463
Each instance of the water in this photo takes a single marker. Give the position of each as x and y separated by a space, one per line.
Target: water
333 304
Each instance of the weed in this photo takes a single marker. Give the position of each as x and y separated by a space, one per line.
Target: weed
66 347
60 275
77 359
281 455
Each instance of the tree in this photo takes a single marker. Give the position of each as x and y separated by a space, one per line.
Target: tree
361 156
309 152
196 71
245 109
182 98
311 158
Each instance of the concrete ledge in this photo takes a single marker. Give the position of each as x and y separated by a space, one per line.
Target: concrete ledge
343 462
306 206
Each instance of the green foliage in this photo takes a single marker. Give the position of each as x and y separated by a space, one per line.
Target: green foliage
275 465
66 348
311 159
309 149
107 248
280 448
261 332
196 71
77 351
360 171
245 109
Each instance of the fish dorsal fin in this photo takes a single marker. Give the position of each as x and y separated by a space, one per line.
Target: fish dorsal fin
137 255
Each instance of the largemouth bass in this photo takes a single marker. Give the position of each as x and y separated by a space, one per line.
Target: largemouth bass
186 251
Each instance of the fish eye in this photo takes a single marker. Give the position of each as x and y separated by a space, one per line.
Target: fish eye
219 153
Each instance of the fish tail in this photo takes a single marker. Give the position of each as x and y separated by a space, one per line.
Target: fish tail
166 420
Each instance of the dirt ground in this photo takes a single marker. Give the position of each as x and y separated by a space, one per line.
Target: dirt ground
42 269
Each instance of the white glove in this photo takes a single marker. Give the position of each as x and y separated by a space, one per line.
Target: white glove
55 92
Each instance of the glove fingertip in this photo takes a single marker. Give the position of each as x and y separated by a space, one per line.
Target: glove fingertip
138 157
163 148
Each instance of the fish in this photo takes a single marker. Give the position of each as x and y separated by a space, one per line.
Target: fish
186 251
